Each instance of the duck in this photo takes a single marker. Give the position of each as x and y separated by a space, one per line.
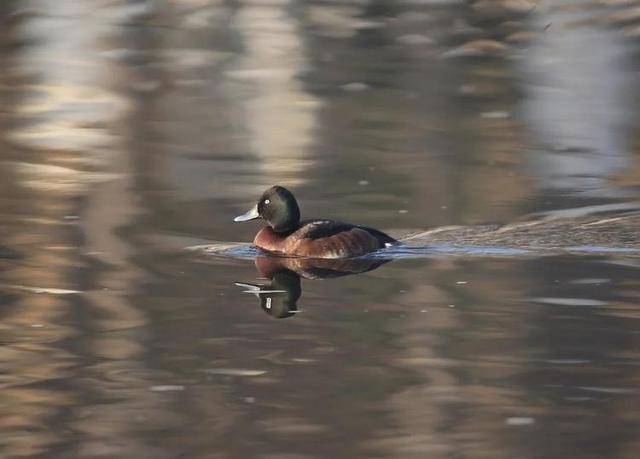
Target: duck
286 235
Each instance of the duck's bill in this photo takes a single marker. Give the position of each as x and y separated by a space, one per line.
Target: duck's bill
251 215
257 289
252 287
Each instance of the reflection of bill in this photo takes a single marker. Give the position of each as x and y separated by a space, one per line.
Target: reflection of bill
279 297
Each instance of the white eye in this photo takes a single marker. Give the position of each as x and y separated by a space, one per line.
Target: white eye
266 201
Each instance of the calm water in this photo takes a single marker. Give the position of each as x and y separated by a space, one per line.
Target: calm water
130 130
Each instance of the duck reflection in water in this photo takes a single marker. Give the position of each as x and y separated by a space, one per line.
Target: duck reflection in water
279 297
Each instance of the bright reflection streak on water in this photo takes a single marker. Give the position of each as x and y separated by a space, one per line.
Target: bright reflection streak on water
131 130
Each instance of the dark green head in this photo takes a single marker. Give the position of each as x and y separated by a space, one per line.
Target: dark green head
278 207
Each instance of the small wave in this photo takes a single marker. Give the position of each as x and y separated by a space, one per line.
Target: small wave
401 251
228 250
421 251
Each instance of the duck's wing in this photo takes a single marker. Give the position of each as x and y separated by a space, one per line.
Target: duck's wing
318 229
335 239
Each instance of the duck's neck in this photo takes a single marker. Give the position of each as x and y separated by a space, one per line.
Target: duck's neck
285 228
270 240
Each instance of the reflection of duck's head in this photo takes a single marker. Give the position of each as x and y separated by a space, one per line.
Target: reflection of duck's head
279 297
281 305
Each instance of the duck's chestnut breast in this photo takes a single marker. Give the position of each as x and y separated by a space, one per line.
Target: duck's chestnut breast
268 239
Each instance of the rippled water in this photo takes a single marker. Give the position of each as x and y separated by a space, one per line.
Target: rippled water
132 130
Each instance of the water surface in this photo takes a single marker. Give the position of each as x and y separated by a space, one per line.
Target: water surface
132 130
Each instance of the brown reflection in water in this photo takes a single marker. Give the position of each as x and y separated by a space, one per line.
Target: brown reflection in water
279 297
392 108
280 115
77 379
38 291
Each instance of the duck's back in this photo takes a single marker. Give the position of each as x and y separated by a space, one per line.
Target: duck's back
334 239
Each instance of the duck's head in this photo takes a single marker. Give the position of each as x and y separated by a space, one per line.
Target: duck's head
278 207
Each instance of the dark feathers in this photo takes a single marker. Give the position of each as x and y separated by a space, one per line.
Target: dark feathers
318 229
